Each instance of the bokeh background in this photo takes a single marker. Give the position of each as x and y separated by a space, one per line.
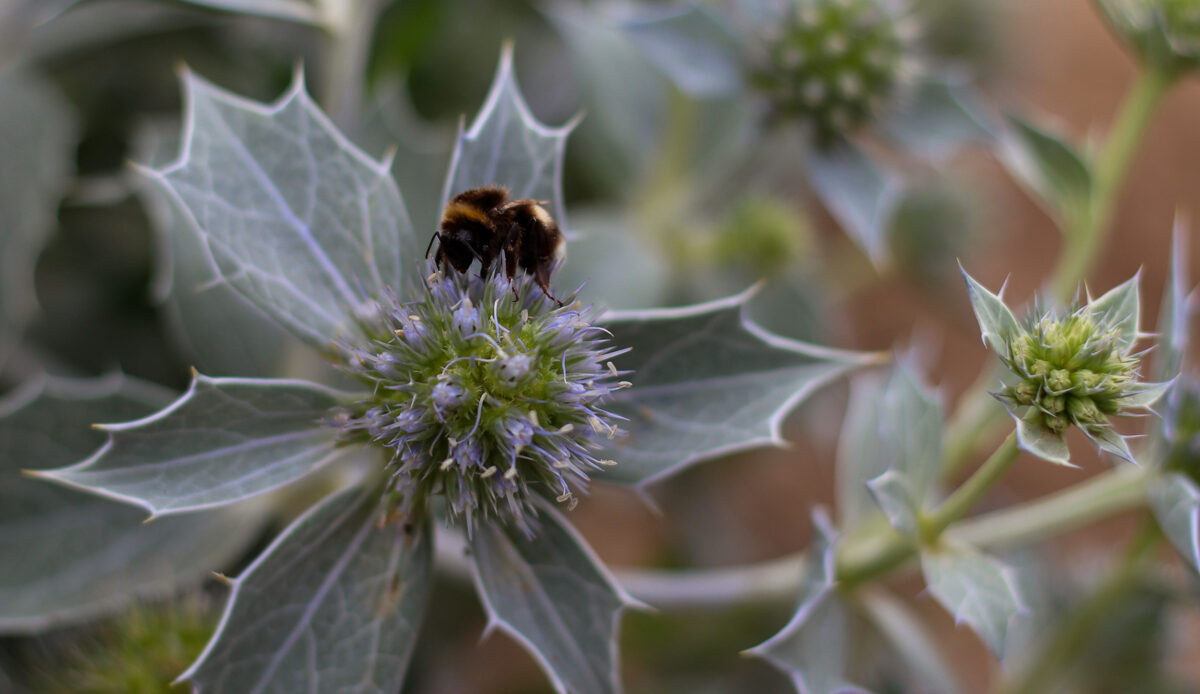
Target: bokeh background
1054 59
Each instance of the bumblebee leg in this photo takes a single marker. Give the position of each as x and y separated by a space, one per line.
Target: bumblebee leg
542 277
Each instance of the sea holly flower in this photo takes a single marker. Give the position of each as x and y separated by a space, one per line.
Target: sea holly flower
838 71
1068 368
483 398
1164 33
483 401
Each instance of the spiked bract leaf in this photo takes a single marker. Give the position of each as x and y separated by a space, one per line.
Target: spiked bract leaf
859 194
219 331
938 117
906 435
225 440
1049 166
691 47
333 605
1173 311
813 648
996 321
66 555
1175 500
976 589
706 382
506 145
554 596
295 218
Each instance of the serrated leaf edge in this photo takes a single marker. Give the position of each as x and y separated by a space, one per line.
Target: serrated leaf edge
504 74
195 88
292 528
849 358
627 602
198 379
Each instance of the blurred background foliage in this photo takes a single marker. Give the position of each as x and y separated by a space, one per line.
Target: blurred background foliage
672 198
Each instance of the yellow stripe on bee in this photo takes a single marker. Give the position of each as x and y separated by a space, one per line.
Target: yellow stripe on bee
461 210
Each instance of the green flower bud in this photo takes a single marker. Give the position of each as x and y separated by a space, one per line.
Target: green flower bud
1058 380
835 64
1056 423
1084 411
1164 33
1077 367
1024 392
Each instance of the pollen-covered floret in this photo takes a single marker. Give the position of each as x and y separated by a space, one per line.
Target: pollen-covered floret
486 398
836 64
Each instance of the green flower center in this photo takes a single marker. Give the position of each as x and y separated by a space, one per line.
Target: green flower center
1072 369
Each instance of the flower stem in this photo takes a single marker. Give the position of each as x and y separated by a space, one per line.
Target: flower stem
883 552
1085 231
975 419
1097 497
781 579
966 496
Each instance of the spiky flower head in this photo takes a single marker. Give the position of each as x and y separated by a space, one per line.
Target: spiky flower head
835 65
1164 33
1068 368
485 392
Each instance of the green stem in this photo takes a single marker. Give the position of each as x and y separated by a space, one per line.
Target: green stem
880 553
966 496
1086 230
975 419
1097 497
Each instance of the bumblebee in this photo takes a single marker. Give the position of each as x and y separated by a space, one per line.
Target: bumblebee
482 223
